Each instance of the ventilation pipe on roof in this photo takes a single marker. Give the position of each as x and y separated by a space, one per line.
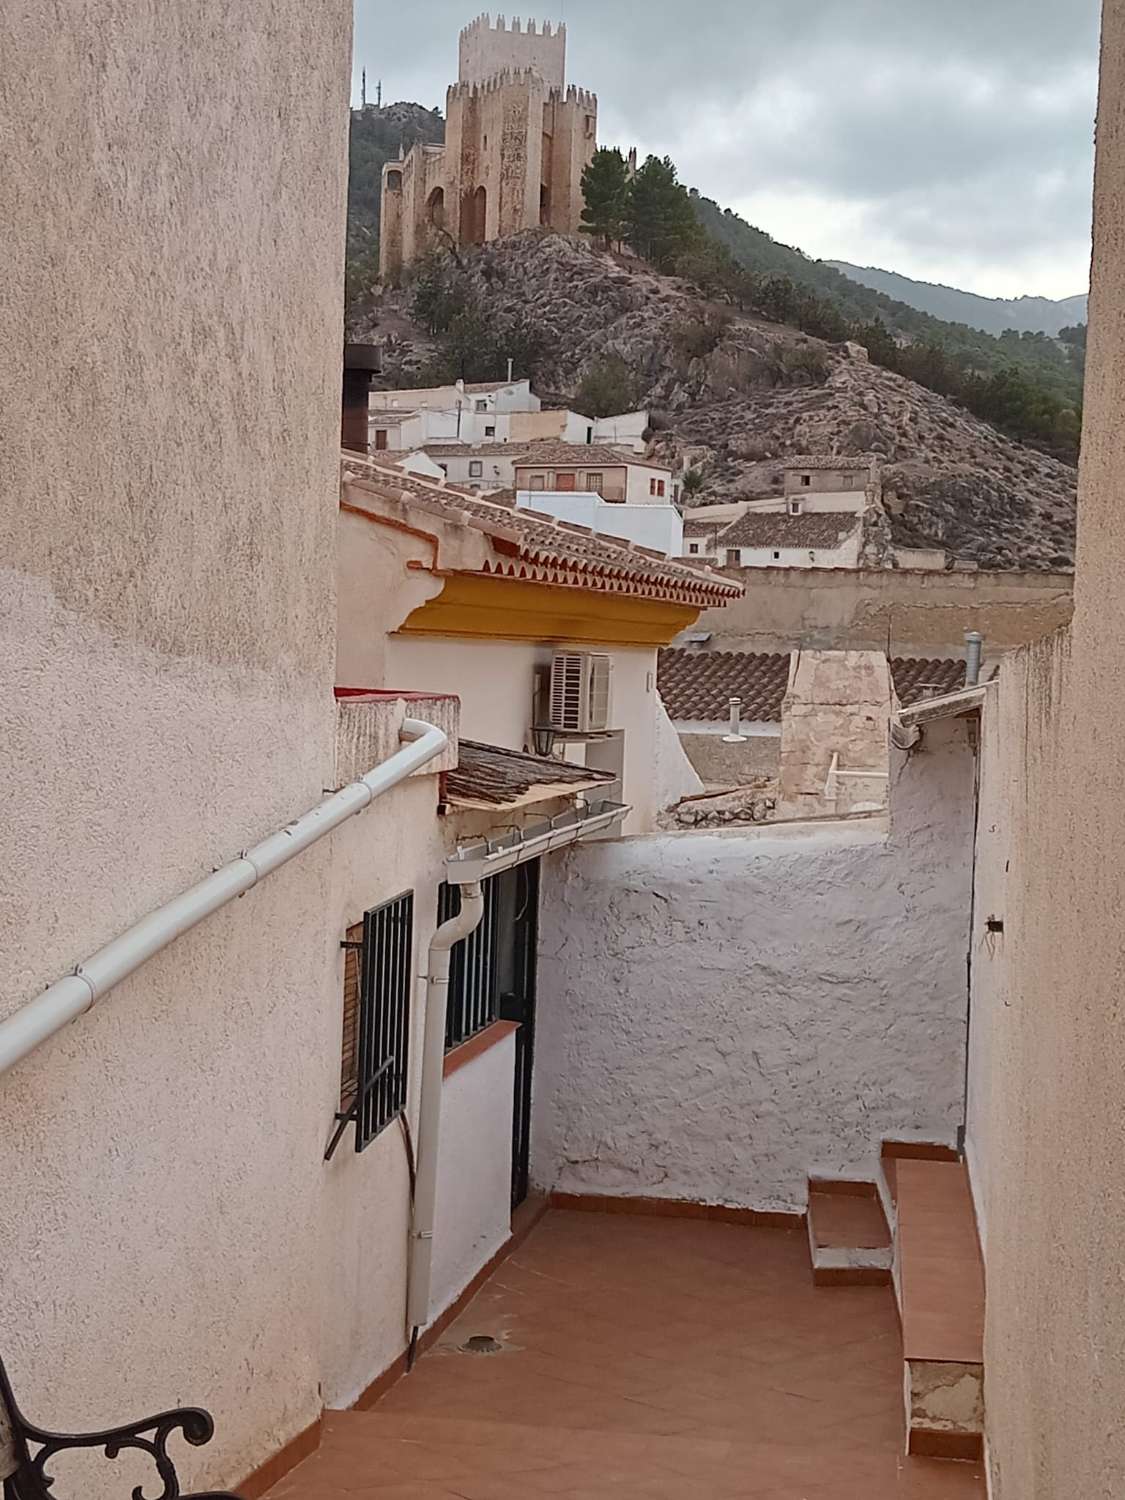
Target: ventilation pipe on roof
974 646
735 736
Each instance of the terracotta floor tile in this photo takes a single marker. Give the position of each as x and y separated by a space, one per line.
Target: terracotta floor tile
645 1359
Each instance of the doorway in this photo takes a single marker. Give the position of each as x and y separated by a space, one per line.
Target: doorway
519 922
492 978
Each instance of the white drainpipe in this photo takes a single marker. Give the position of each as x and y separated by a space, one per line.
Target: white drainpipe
94 977
420 1265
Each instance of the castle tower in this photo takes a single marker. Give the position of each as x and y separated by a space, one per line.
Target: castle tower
517 140
487 50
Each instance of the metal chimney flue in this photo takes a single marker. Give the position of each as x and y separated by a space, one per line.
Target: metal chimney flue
735 736
974 647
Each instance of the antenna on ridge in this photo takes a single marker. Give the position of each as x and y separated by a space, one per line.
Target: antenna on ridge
363 89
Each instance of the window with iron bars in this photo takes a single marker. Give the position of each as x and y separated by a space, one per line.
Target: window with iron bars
474 970
376 1041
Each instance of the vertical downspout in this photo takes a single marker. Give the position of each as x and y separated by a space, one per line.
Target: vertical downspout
420 1254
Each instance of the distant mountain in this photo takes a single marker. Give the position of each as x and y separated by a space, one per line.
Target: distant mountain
992 314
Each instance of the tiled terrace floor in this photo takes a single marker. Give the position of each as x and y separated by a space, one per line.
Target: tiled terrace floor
659 1358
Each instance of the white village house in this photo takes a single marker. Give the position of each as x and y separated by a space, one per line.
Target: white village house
336 921
476 413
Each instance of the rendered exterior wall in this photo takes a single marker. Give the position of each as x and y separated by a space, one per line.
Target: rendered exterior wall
922 613
825 481
719 1015
364 1212
845 556
495 680
171 428
1048 1132
656 524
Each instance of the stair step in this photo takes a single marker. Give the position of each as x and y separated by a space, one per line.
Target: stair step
849 1240
941 1295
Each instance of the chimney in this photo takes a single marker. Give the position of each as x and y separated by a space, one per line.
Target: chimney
361 361
974 645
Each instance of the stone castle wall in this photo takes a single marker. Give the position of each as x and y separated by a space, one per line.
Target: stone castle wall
517 141
488 49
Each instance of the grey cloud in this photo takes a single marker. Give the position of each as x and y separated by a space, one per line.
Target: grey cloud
962 126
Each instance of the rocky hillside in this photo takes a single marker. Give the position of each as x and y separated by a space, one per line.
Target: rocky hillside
737 395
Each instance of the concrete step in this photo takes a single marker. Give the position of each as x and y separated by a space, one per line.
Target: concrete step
940 1283
849 1241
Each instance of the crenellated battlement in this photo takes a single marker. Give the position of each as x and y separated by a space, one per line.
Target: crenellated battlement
522 78
582 97
485 23
488 47
519 138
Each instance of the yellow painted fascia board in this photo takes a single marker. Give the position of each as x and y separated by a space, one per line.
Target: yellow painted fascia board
481 607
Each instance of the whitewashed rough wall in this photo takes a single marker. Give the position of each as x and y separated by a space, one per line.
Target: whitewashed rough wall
719 1015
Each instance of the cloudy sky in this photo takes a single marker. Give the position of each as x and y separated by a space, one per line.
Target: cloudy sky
951 140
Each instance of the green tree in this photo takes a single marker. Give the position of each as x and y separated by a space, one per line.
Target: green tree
660 218
608 389
605 188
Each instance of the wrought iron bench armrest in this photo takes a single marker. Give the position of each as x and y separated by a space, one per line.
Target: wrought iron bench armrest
149 1436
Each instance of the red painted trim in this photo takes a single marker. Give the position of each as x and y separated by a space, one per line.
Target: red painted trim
675 1208
927 1442
389 694
266 1475
484 1041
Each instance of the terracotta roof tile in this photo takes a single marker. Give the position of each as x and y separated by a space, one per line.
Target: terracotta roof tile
774 529
813 462
539 548
583 456
468 450
700 684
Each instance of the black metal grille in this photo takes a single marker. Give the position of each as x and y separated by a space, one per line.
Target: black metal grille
384 1017
474 989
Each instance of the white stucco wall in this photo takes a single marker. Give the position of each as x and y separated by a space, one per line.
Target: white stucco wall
656 525
495 682
845 556
720 1015
475 1177
674 776
166 609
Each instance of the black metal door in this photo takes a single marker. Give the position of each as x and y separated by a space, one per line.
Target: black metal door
518 903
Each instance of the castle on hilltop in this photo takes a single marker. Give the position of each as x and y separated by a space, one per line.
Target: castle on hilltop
517 140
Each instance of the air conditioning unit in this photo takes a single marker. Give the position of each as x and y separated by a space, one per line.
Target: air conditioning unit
580 691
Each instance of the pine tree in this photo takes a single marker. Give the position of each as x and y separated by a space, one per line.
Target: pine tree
605 187
660 219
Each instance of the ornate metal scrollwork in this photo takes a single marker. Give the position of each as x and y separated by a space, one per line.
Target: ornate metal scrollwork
35 1448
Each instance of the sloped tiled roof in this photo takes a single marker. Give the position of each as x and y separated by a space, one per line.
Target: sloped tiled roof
538 548
491 776
913 674
812 462
468 450
774 529
583 456
699 685
703 528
